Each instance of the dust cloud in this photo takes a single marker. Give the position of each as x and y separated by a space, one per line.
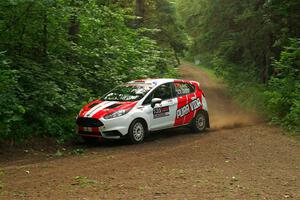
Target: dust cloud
223 111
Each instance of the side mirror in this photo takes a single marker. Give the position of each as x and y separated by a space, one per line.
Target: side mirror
155 101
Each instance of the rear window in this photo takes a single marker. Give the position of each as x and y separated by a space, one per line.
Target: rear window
184 89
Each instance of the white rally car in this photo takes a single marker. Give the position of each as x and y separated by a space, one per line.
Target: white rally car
137 107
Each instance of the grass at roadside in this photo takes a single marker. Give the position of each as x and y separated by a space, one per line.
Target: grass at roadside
208 70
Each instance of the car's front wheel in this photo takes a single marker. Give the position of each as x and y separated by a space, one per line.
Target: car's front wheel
199 123
137 131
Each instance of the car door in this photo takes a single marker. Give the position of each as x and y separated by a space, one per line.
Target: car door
163 114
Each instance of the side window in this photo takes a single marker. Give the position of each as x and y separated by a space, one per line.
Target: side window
184 89
163 92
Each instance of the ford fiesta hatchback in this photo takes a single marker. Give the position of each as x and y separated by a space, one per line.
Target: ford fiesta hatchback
133 109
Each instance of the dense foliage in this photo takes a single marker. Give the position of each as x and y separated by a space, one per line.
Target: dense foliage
158 20
283 92
56 54
160 16
248 43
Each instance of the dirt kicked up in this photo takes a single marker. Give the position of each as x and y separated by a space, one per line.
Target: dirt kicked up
239 158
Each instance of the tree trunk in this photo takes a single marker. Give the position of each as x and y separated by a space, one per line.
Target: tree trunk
176 57
74 23
265 71
20 43
74 28
45 36
140 12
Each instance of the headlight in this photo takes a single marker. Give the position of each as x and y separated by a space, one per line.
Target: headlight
118 113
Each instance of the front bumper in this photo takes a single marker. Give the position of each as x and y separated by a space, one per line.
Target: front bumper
115 128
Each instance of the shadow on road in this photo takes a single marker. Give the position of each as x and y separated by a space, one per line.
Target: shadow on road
156 136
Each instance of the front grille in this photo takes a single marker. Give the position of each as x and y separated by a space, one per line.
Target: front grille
88 122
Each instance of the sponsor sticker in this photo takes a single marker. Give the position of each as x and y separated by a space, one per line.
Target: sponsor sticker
161 112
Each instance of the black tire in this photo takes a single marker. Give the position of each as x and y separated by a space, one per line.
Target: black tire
137 131
199 123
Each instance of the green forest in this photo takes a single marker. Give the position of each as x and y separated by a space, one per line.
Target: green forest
255 47
57 55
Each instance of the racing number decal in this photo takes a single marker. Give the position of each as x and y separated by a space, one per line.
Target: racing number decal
185 110
161 112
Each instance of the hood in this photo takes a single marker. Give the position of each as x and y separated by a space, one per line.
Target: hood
98 109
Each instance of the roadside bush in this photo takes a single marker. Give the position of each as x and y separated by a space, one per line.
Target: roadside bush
11 109
283 92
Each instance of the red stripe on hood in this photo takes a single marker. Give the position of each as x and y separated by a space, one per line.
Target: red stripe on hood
122 106
106 110
88 107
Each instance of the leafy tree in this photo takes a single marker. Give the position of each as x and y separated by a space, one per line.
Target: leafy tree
58 54
162 15
158 20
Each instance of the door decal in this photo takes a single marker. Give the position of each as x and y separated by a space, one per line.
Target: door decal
183 111
186 109
195 104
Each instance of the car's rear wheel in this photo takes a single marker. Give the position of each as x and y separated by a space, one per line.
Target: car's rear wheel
137 131
199 123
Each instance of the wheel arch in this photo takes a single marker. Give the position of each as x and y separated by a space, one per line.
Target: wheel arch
144 122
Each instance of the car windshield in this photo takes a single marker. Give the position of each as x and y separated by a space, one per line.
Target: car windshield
127 92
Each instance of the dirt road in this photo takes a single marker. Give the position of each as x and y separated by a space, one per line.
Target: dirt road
239 158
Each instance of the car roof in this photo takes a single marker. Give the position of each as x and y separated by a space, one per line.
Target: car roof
157 81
